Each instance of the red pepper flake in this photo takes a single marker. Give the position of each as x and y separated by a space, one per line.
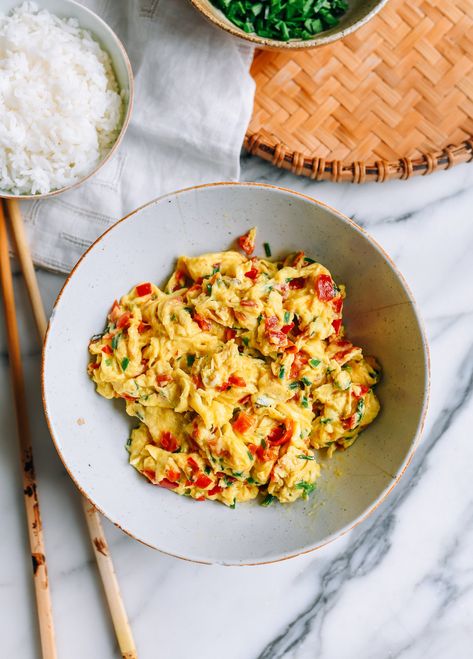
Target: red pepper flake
150 475
282 433
337 304
131 399
194 287
144 289
287 328
291 348
236 381
202 322
107 350
248 303
197 380
252 448
300 359
246 243
223 387
245 399
143 327
174 476
199 498
167 484
324 288
242 423
297 283
215 490
114 312
124 321
202 481
229 334
336 324
192 464
94 365
252 273
168 441
163 379
360 390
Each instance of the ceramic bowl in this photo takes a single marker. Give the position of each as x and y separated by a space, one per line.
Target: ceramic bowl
120 62
90 432
359 13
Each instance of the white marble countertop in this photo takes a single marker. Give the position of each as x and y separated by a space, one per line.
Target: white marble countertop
399 585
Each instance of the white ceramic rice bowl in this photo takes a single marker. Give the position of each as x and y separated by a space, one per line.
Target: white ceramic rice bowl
90 432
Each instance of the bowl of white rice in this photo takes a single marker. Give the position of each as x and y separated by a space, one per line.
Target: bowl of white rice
66 95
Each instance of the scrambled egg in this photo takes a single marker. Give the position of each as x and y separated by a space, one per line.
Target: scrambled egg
239 373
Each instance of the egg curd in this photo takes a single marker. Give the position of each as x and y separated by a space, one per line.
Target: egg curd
239 373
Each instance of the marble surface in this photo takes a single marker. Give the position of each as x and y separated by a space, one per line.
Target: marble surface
399 585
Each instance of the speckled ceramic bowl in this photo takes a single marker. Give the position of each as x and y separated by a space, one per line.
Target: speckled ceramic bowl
359 13
90 432
120 62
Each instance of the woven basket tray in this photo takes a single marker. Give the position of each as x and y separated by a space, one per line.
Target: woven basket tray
391 101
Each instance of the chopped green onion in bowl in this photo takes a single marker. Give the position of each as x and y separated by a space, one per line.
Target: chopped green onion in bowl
283 20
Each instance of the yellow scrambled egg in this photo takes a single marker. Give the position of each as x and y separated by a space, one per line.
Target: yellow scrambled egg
238 372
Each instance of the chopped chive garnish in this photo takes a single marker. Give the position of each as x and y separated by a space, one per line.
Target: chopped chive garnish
307 382
124 363
108 362
209 289
267 247
325 421
305 402
246 340
268 500
115 340
233 506
306 457
314 362
188 309
190 360
207 469
282 370
250 480
308 260
294 385
307 487
250 455
287 317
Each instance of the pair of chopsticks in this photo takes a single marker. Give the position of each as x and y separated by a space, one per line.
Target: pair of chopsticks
35 532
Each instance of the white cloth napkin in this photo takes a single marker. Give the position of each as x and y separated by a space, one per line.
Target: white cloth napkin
193 102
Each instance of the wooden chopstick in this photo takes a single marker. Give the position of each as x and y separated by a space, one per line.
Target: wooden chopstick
99 543
33 516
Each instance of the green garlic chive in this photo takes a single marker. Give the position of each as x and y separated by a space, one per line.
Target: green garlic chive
306 457
124 363
305 402
282 370
287 317
268 500
307 382
115 340
267 247
190 360
314 362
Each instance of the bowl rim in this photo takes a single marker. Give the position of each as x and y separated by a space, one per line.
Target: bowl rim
274 44
124 126
425 401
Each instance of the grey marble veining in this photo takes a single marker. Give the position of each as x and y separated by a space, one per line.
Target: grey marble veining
400 585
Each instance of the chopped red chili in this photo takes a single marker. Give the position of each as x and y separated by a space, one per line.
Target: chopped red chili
107 350
324 288
144 289
168 441
202 481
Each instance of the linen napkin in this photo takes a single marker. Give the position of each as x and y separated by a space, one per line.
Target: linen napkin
193 102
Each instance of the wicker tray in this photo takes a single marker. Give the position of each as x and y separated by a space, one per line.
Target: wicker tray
391 101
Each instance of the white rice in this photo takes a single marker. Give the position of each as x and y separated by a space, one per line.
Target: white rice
60 105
